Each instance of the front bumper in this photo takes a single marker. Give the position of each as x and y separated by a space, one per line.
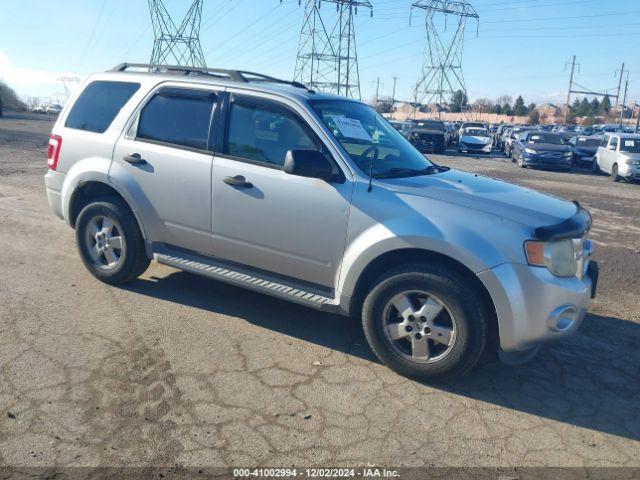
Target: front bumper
53 182
533 306
629 171
475 147
541 162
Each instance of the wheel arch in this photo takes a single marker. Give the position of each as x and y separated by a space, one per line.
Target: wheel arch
393 258
92 189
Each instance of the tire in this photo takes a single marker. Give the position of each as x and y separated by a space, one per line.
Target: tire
462 321
111 265
614 173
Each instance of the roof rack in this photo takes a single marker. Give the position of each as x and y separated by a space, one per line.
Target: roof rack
233 75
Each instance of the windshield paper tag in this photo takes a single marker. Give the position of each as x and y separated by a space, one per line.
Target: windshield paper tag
629 143
351 128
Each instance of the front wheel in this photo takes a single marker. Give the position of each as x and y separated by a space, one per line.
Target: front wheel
426 322
595 168
614 174
110 242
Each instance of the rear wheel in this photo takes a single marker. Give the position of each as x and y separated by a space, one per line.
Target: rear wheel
426 322
110 242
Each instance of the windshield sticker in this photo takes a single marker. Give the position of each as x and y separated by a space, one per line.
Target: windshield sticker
351 128
629 143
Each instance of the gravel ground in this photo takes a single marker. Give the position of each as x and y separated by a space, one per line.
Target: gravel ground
176 369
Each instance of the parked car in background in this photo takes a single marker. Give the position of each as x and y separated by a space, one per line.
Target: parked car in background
429 136
542 149
475 139
53 109
619 156
584 149
508 141
497 138
403 127
40 109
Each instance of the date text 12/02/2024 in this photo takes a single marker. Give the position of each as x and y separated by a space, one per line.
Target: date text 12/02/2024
369 472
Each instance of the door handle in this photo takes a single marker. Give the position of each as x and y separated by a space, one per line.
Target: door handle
134 159
238 181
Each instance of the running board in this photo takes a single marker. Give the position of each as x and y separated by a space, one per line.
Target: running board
243 277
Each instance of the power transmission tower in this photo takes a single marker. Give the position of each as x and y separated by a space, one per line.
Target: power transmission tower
177 45
327 56
442 68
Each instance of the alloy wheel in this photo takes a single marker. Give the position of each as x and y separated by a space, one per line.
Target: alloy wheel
419 326
105 242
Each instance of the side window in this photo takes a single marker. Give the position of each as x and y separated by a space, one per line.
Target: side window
178 116
98 105
613 145
264 131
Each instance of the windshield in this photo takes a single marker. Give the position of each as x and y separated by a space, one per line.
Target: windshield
588 142
475 132
431 126
548 138
371 142
630 145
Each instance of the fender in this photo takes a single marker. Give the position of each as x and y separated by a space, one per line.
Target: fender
95 169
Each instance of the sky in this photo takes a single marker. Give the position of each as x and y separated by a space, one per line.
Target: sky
520 47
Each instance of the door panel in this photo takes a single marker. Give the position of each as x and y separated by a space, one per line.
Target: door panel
165 162
175 186
286 224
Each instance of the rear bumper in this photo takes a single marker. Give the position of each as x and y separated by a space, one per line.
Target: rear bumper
533 306
53 182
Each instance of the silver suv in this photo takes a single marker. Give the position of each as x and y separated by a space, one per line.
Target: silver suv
318 200
619 156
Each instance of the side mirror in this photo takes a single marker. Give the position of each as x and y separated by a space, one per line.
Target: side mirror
308 163
612 147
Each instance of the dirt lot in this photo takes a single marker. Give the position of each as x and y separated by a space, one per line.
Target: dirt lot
177 369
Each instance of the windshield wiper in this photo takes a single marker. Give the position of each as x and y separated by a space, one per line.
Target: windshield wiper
402 172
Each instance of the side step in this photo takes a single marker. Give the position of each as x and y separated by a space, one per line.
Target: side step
315 297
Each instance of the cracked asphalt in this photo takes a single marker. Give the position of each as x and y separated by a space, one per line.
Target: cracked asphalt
175 369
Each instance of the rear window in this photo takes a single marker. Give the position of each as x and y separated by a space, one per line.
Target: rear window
98 105
177 116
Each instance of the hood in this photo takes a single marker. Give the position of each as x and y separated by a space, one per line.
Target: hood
475 139
546 147
488 195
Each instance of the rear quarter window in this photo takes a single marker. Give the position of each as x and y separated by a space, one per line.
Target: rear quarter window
98 105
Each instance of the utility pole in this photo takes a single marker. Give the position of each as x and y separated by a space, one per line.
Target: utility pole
393 94
377 90
624 98
573 67
620 83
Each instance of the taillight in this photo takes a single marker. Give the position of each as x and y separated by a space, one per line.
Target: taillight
55 143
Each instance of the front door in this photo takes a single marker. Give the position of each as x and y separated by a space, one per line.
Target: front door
265 218
165 162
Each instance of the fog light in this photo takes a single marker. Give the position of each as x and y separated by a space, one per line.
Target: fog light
562 318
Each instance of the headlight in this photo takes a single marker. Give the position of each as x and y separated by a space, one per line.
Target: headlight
568 154
633 162
562 257
530 151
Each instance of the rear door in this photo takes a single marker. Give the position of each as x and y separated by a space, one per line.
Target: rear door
164 161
